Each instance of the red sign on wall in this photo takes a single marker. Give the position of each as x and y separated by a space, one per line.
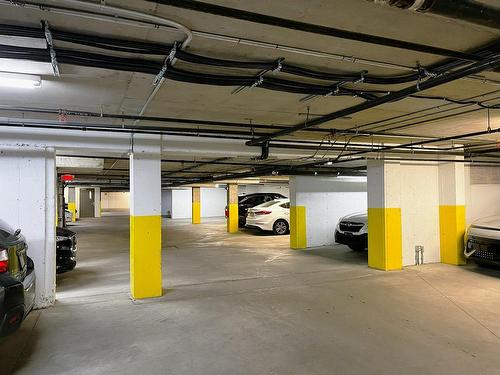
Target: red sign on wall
67 177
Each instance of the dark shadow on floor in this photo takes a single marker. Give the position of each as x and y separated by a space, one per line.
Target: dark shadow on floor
257 232
486 270
339 253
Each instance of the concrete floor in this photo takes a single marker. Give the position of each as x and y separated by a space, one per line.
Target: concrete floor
246 304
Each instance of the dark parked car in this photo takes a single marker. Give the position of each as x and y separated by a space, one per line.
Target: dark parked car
65 250
17 279
251 200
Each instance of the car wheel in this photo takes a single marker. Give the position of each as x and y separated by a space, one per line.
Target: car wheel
356 248
280 227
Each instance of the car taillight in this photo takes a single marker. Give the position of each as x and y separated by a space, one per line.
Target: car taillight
262 212
4 261
226 212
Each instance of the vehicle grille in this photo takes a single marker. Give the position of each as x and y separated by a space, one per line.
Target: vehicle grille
348 226
485 249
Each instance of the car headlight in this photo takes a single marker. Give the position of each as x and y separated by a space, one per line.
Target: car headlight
364 229
60 238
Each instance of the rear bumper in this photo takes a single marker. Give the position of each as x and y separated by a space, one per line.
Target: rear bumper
12 306
359 240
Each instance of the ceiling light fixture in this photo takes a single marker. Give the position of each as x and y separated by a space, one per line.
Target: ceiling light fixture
20 80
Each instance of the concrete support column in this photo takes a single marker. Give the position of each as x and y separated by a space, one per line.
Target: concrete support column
452 212
28 202
71 201
145 219
232 207
97 202
298 235
317 204
196 205
384 216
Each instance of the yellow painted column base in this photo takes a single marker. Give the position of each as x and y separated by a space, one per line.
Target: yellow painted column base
451 234
196 213
385 245
298 236
72 209
145 256
232 220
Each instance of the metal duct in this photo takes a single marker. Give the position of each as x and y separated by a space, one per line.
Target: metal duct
466 10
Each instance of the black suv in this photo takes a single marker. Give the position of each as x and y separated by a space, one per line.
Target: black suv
251 200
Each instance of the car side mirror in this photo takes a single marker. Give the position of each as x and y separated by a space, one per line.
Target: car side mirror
17 232
30 264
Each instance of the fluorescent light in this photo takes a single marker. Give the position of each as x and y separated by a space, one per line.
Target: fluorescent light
20 80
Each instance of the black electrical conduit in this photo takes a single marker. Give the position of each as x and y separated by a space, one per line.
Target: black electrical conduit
198 122
489 63
465 10
415 115
421 143
144 66
259 18
131 129
129 46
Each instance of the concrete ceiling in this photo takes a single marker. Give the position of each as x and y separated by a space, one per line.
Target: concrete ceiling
102 90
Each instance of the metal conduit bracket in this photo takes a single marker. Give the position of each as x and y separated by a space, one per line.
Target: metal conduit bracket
279 65
170 57
258 82
50 46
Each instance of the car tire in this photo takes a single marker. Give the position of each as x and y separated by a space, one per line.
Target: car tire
356 248
280 227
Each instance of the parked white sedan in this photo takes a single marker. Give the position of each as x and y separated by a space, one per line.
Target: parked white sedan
270 216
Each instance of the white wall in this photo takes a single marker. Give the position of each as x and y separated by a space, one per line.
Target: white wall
326 201
419 197
166 203
181 204
115 200
482 192
213 202
28 202
264 188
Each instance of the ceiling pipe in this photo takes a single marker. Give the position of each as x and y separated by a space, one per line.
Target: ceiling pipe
489 63
290 24
133 129
122 12
213 36
466 10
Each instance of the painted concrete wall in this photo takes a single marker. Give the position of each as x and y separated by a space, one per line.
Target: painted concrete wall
213 202
326 201
482 192
115 200
265 188
166 203
420 212
28 201
181 204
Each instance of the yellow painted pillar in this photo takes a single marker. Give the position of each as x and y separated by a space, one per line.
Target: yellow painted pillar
72 202
196 206
232 207
452 212
385 250
145 219
298 238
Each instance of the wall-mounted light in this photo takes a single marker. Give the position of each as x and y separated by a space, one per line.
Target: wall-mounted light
17 80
